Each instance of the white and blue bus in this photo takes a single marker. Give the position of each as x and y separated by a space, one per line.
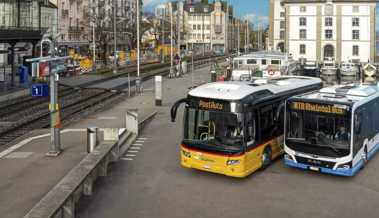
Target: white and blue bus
334 130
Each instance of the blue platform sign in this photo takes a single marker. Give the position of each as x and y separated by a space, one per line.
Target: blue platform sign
40 90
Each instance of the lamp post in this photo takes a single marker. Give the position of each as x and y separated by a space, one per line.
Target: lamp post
172 42
138 81
115 36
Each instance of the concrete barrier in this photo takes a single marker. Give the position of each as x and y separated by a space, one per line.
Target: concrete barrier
61 200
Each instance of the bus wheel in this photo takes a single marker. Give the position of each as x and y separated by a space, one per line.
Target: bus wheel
266 158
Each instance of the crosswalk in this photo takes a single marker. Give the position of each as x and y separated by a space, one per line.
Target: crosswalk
132 152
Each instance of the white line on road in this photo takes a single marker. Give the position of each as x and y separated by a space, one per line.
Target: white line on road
130 155
135 144
142 139
128 159
133 151
135 148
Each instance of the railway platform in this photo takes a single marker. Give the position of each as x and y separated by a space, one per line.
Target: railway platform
28 175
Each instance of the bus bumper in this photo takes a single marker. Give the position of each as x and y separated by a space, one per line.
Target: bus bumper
338 172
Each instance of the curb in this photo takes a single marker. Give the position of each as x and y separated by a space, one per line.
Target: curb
61 200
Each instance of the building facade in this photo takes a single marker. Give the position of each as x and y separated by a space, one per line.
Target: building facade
77 18
277 26
340 30
22 25
203 26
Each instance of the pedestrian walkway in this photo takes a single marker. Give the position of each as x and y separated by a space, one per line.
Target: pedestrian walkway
27 174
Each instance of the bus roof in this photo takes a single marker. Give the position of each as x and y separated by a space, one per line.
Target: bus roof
238 90
263 54
350 93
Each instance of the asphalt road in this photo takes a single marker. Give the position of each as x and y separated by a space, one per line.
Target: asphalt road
150 182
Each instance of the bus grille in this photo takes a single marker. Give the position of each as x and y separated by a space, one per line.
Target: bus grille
313 162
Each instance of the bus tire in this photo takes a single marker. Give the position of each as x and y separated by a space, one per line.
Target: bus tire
266 157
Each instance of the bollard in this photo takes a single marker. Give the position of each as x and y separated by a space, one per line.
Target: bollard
158 90
91 139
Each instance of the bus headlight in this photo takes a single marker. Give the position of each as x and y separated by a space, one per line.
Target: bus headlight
344 166
186 153
288 157
232 162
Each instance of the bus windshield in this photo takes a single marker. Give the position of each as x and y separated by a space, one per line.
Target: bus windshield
213 130
318 134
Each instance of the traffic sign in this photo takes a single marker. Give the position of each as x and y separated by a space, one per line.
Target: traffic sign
40 90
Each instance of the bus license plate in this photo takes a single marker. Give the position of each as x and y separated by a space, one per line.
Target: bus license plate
314 169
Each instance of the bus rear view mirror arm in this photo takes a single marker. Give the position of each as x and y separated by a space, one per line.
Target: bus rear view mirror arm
175 107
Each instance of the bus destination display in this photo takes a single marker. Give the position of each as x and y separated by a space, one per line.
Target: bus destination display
319 108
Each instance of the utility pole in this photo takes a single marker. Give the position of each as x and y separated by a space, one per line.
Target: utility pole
94 36
246 32
163 34
138 39
227 29
172 41
239 37
115 35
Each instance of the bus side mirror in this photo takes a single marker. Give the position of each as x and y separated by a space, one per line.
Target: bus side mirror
175 107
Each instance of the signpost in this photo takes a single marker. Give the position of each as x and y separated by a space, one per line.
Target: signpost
40 90
53 66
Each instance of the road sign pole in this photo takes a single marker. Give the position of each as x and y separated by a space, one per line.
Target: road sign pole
55 143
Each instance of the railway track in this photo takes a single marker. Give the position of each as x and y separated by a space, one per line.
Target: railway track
26 114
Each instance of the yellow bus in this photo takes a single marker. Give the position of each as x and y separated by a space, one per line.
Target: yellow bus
236 128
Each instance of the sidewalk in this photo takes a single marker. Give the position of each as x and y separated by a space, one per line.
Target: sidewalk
27 174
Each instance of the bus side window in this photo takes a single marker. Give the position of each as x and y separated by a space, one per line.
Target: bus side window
266 122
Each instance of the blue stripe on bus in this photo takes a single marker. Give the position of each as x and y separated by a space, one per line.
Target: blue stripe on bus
373 151
339 172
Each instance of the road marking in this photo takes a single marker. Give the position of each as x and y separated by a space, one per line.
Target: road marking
107 118
133 151
130 155
128 159
135 144
135 148
28 140
142 139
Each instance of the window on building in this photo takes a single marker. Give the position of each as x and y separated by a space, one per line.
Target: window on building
303 34
282 24
192 9
282 14
251 61
198 26
356 9
303 9
302 21
206 10
355 34
264 62
194 27
328 34
328 21
208 27
355 21
302 49
282 34
355 50
329 9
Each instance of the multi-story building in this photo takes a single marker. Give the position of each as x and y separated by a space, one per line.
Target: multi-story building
78 17
277 26
22 25
204 26
343 30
